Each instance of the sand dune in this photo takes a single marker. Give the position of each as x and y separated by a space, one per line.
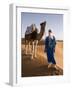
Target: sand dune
38 66
58 53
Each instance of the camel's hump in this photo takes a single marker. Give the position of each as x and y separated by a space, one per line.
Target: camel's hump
29 28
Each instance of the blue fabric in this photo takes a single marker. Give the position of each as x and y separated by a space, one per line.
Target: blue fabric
50 49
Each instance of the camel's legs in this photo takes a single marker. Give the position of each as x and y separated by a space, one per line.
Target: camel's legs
29 47
35 48
26 46
32 49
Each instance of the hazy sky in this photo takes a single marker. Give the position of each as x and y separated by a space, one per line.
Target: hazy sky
54 22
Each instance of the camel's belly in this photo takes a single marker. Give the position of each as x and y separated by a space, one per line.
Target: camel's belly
32 35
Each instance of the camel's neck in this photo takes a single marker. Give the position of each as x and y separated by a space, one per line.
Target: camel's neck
42 29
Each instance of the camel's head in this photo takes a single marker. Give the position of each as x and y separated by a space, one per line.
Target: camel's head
43 23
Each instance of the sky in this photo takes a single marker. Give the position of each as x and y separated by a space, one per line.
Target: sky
53 22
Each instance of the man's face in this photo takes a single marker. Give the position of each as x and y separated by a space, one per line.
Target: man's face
49 33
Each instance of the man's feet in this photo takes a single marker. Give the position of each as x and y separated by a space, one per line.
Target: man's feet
49 65
55 66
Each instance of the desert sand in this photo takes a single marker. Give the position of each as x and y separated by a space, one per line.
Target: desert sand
39 65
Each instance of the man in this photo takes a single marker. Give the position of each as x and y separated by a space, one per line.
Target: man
50 44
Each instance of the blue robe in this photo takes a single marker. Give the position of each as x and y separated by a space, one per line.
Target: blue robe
50 44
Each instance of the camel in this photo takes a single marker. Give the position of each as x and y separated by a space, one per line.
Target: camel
34 38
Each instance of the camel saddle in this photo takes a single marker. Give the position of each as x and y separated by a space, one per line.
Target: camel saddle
30 29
